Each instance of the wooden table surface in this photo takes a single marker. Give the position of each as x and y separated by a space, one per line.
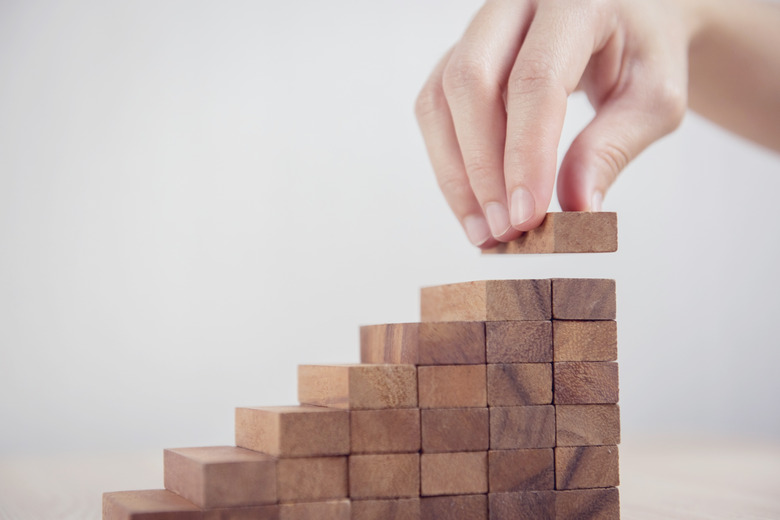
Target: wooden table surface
660 478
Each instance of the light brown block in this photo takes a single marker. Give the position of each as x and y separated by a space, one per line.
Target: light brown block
293 431
396 509
431 343
587 424
583 299
521 470
520 427
358 387
325 510
312 479
453 473
588 504
452 386
491 300
566 232
520 505
392 475
221 476
270 512
586 467
455 429
150 504
519 341
462 507
519 384
585 340
385 431
393 343
585 382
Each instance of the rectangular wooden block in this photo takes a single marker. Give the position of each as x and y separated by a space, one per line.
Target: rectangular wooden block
358 387
582 467
293 431
312 479
491 300
583 299
324 510
221 476
521 470
391 343
453 473
587 424
462 507
455 429
519 341
585 382
585 340
519 384
452 386
385 431
536 505
396 509
149 504
588 504
430 343
566 232
387 475
270 512
520 427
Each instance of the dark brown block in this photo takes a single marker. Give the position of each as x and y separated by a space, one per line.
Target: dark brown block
453 473
519 384
389 475
586 467
462 507
293 431
358 387
587 424
431 343
585 340
325 510
270 512
588 504
221 476
396 509
520 427
586 382
152 504
583 299
453 386
531 505
385 431
519 341
521 470
491 300
455 429
311 479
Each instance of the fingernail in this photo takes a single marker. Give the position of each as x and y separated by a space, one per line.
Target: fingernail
596 201
522 206
477 229
497 218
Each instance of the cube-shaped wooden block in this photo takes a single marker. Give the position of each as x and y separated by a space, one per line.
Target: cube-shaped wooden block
583 299
584 340
519 341
269 512
395 430
453 386
521 470
148 504
519 384
387 475
321 510
585 382
455 429
524 504
588 504
520 427
583 467
358 387
491 300
386 509
453 473
430 343
312 479
587 424
461 507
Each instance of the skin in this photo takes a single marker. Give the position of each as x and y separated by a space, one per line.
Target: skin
492 111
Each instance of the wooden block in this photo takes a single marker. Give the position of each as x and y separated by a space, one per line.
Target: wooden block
293 431
582 467
389 475
491 300
396 509
325 510
394 343
521 470
531 505
587 424
312 479
583 299
519 341
586 382
385 431
453 473
566 232
150 504
452 386
588 504
584 340
270 512
431 343
462 507
455 429
519 384
520 427
358 387
221 476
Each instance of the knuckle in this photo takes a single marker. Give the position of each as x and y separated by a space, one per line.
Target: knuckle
480 167
532 76
454 188
615 157
430 100
671 102
465 76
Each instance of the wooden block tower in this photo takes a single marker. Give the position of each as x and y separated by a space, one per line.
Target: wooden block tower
501 403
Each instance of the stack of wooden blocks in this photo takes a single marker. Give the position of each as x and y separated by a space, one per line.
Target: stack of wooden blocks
500 404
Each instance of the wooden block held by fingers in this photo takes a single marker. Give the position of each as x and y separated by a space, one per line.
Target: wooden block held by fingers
519 341
521 470
394 509
453 473
324 510
584 340
455 429
587 424
385 431
293 431
519 384
583 299
588 504
430 343
579 467
536 505
491 300
566 232
452 386
311 479
269 512
151 504
461 507
358 387
585 382
520 427
388 475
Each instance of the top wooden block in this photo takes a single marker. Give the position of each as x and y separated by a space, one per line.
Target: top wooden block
566 232
490 300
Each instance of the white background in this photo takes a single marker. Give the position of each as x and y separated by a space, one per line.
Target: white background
195 197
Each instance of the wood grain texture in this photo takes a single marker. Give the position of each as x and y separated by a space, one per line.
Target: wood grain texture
491 300
462 507
312 479
521 470
453 473
323 510
519 384
587 424
586 382
395 509
521 505
583 299
583 467
220 476
395 343
385 431
520 427
585 340
452 386
293 431
455 429
429 343
358 387
588 504
519 341
395 475
148 504
270 512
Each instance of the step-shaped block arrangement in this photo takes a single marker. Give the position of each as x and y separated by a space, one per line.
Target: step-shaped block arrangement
500 404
